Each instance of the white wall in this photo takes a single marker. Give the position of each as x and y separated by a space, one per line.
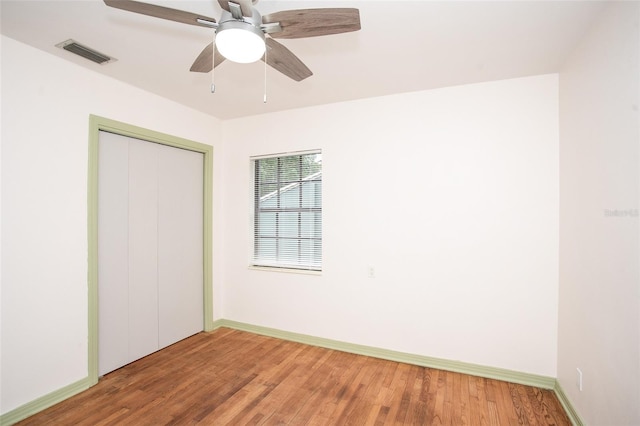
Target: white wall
599 314
1 174
451 195
46 104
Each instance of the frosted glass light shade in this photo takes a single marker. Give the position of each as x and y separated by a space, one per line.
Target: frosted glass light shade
243 45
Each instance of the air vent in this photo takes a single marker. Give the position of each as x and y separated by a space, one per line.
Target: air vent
86 52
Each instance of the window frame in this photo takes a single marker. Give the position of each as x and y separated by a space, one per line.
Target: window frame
254 260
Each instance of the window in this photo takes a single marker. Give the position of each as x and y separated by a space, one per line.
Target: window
287 221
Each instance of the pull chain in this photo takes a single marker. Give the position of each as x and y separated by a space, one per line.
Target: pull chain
213 62
264 99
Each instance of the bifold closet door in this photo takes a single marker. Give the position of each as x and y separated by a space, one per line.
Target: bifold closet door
150 261
180 255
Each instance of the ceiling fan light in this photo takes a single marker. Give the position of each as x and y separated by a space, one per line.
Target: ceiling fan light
243 44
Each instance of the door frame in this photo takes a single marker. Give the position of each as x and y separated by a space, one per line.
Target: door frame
97 124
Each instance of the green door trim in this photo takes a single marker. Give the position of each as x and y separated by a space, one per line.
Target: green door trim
97 124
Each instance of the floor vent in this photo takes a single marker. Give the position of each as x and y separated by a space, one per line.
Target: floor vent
86 52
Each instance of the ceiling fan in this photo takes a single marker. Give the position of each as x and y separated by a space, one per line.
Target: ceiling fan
243 35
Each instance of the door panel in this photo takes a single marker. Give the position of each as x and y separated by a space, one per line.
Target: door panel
113 256
143 248
180 244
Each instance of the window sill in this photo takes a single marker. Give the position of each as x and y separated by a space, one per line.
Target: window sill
286 270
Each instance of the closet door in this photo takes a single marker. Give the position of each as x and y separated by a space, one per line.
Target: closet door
150 254
180 256
143 248
113 252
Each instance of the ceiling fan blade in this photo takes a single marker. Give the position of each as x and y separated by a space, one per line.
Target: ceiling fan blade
160 12
245 5
283 60
203 62
314 22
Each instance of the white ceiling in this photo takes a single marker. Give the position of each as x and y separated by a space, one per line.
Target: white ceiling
403 46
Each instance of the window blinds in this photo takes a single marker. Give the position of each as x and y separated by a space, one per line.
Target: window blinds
288 211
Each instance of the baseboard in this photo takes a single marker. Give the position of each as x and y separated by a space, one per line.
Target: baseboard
43 402
566 404
424 361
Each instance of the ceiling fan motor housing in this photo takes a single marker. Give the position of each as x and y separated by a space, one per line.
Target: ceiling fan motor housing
240 40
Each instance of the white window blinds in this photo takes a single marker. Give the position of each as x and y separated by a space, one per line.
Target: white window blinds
288 211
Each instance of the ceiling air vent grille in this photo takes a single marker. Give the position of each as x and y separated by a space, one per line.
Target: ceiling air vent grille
86 52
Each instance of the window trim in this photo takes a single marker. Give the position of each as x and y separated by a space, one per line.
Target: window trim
287 268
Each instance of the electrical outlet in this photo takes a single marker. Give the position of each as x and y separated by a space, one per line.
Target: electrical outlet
579 379
371 272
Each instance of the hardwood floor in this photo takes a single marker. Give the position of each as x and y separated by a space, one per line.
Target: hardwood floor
238 378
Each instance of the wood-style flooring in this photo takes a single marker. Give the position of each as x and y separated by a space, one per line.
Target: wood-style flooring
229 377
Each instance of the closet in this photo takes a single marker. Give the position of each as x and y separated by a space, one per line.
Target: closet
150 248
